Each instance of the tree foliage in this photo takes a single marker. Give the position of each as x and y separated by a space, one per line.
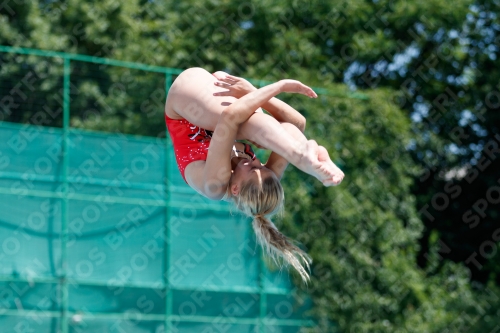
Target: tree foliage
429 73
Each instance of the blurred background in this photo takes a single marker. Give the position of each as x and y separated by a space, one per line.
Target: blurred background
98 233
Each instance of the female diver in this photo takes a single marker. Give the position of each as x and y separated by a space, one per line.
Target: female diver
204 123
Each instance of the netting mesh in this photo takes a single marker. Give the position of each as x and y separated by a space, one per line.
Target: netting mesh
115 241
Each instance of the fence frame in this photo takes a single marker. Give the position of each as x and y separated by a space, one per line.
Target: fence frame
63 281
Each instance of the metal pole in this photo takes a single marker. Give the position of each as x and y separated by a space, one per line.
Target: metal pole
262 294
64 213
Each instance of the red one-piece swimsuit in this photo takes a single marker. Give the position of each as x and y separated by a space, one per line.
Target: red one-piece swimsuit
190 142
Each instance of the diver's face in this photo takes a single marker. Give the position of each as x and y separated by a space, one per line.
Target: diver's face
248 170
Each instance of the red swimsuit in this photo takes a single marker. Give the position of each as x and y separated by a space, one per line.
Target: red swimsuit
190 142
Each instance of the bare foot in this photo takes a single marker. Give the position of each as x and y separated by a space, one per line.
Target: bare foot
319 165
338 175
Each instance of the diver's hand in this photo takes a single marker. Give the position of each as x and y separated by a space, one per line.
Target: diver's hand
294 86
236 86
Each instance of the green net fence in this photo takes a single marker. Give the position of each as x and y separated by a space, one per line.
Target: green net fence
98 231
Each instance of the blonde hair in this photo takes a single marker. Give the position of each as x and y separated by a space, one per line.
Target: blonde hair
266 198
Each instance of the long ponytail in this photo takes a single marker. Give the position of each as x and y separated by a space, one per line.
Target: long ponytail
260 200
277 245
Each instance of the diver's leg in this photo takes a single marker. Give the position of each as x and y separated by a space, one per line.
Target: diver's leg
191 97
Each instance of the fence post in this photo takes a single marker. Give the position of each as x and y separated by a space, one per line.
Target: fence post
64 210
262 294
